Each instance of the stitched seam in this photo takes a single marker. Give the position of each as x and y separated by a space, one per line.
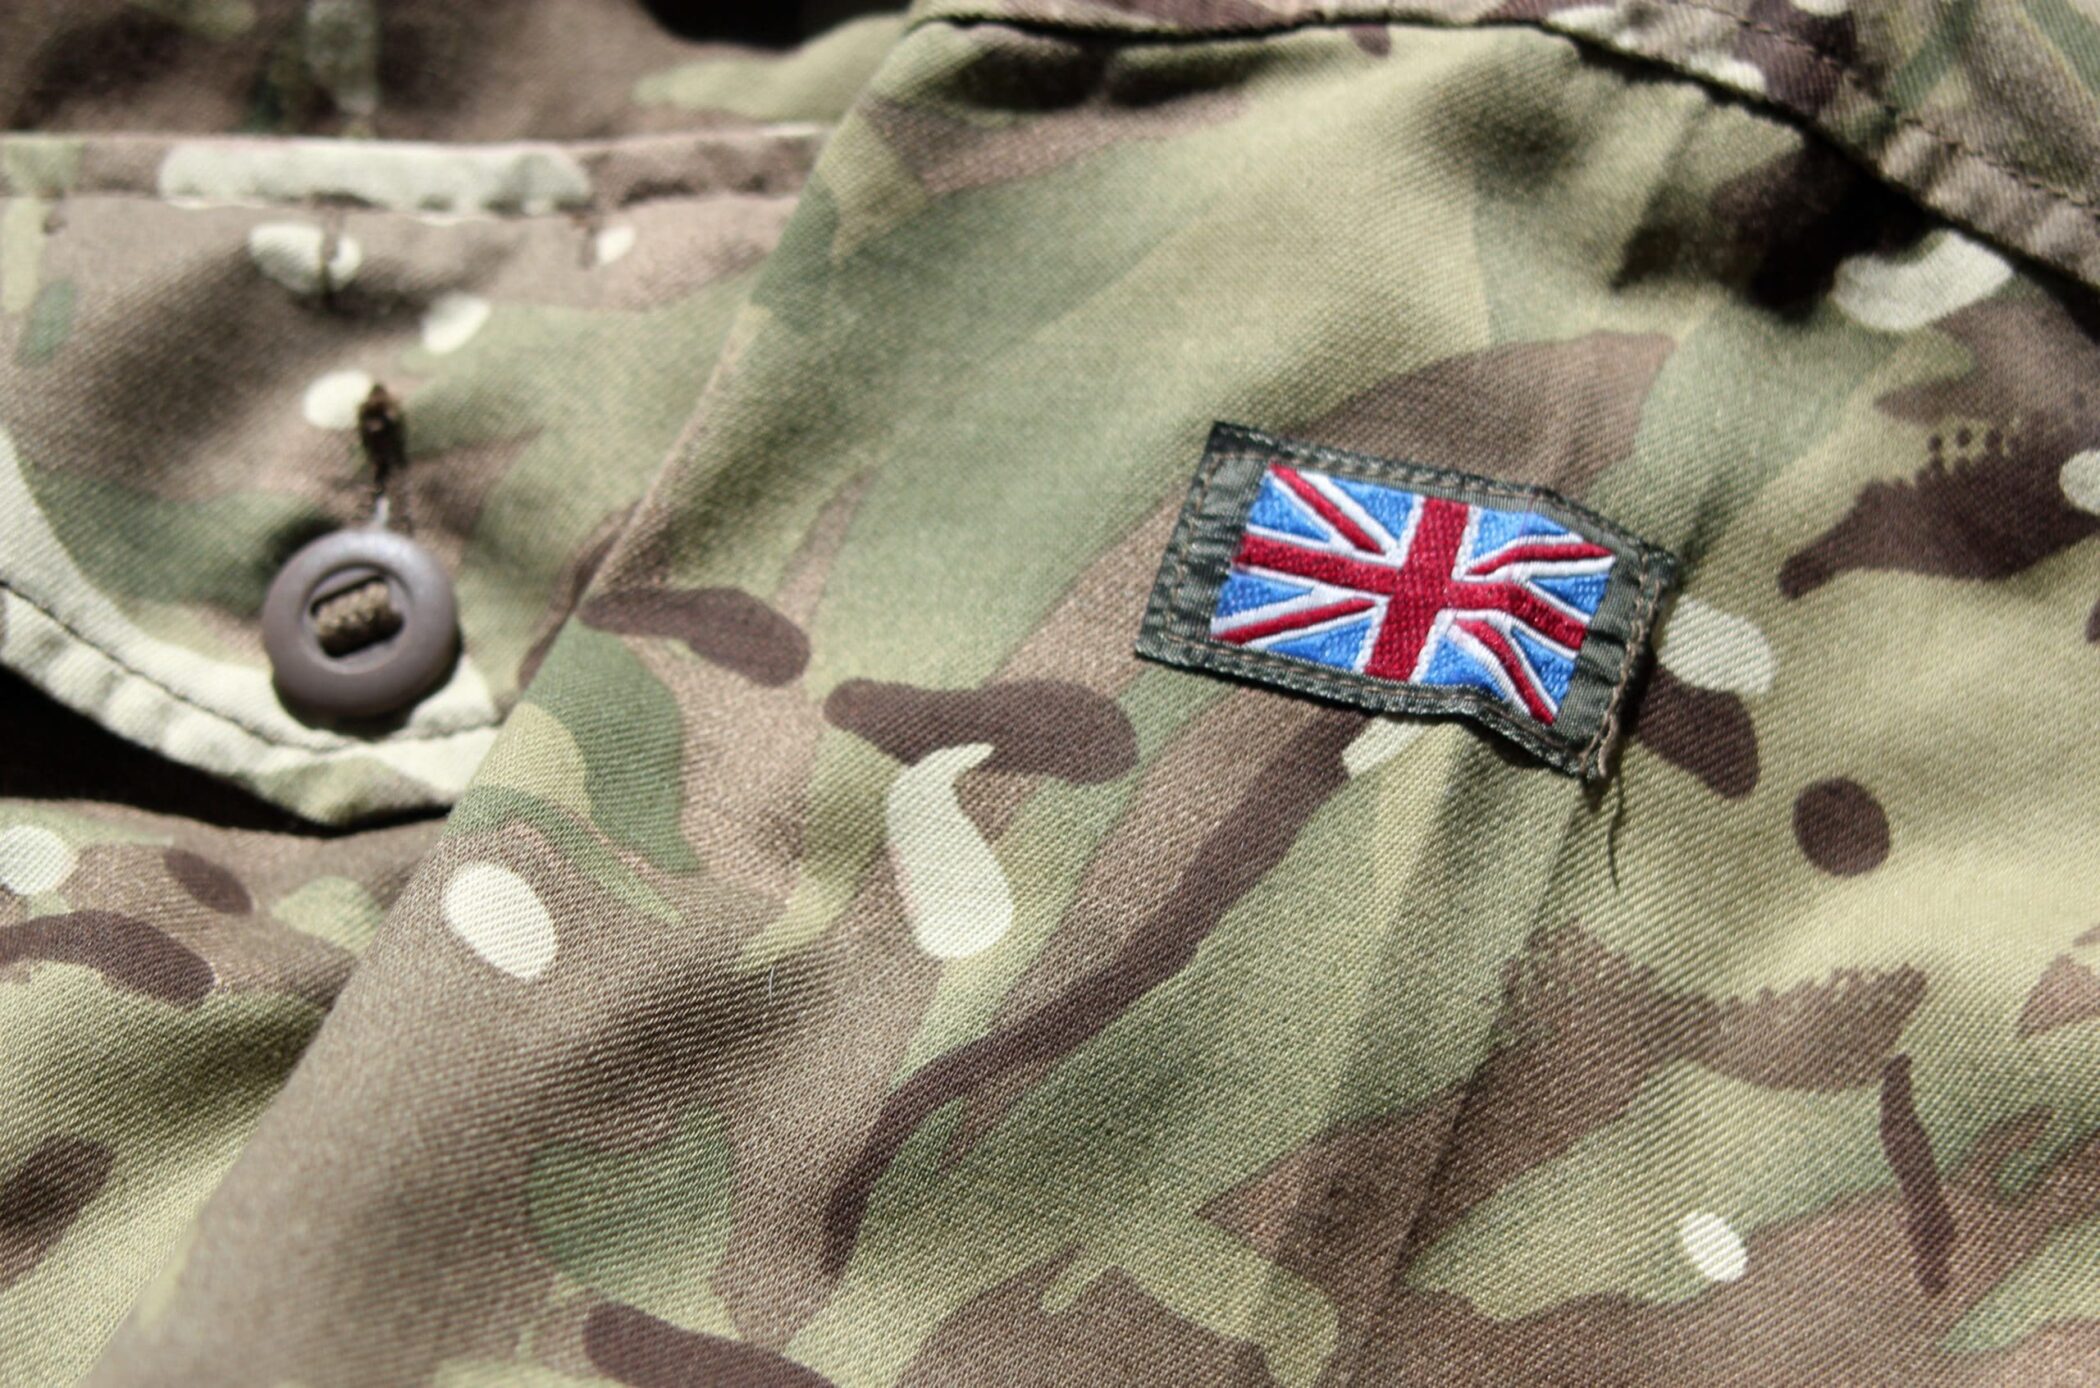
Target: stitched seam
1636 644
1194 511
1353 464
319 204
259 734
2004 168
1845 73
1394 698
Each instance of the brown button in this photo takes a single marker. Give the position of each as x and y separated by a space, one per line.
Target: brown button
360 623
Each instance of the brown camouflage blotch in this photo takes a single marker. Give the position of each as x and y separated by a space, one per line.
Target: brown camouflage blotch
1114 1333
808 569
1085 638
1200 14
1082 99
1815 1036
1799 54
1841 827
1552 414
1707 732
501 70
1082 641
208 883
1374 39
569 586
447 490
1044 727
724 626
746 828
1908 1148
1788 224
2002 1143
1794 1319
42 1197
1189 789
749 828
1997 507
1337 1211
1988 518
635 1348
2092 625
1293 783
113 413
1587 1029
2067 993
124 68
127 952
771 1276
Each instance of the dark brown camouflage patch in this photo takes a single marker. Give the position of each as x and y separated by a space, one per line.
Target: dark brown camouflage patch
1338 1210
1789 223
1841 827
128 952
635 1348
1909 1150
1551 414
1080 99
724 626
42 1197
1113 1333
1704 731
1587 1027
2067 993
1989 501
1986 518
1049 727
569 586
208 884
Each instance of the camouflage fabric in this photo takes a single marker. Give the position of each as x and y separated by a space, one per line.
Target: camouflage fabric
804 944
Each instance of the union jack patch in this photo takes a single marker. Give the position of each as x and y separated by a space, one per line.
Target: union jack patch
1407 589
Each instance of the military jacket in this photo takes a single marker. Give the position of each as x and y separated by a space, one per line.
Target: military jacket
1115 692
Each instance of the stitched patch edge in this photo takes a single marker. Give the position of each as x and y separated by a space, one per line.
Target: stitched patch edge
1580 741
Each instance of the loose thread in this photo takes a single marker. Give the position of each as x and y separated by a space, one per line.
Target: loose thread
383 431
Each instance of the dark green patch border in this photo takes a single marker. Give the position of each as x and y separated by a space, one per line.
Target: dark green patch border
1176 629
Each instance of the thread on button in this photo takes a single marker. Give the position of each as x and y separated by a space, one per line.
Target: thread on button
356 618
383 430
366 614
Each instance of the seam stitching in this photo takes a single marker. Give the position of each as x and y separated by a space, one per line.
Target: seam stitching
2088 205
348 745
1636 647
1846 73
318 205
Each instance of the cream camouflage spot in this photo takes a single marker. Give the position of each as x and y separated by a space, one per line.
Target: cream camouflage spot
452 320
955 892
1712 1247
500 918
33 860
331 401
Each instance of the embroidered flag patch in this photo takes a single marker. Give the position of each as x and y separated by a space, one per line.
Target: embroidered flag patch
1407 589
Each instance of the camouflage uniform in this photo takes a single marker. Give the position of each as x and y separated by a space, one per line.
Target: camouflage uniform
801 943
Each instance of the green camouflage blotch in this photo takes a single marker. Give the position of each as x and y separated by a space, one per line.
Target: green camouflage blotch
646 1228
